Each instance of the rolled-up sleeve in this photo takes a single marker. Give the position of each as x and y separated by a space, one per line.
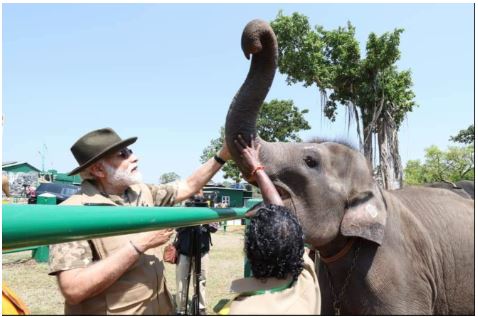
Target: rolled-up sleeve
164 194
70 255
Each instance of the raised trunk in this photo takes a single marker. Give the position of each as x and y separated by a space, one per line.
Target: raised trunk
259 40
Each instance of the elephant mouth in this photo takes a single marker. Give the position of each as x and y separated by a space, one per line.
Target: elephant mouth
286 196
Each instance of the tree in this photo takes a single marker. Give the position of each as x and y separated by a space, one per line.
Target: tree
376 95
168 177
278 120
466 136
457 163
415 173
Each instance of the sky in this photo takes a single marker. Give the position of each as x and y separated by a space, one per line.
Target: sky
167 73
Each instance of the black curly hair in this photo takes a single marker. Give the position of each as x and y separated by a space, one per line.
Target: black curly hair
274 243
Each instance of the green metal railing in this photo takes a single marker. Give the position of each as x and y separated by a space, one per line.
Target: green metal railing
35 225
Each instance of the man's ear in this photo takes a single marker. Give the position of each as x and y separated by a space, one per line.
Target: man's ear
97 169
365 216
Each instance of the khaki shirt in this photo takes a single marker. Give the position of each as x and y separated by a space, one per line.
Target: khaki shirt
302 298
142 289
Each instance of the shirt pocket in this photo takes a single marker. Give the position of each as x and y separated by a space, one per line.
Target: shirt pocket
128 298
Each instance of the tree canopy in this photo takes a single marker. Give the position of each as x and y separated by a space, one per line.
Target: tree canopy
168 177
278 120
454 164
376 95
466 136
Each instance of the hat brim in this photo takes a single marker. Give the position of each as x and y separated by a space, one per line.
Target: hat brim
108 150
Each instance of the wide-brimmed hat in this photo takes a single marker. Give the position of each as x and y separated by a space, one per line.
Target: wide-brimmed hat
95 145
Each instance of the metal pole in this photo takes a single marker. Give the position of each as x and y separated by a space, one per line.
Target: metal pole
21 249
197 268
33 225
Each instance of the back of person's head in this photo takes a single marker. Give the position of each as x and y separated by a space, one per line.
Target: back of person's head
274 243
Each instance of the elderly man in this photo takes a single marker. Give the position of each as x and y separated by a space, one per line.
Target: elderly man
120 274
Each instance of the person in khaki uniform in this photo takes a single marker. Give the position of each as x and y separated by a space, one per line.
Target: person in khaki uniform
120 274
284 280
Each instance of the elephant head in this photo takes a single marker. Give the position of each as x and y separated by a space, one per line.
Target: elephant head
328 185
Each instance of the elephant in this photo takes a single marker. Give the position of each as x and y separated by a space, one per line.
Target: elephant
464 188
468 187
402 252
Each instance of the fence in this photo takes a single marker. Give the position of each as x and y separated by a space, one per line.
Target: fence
33 226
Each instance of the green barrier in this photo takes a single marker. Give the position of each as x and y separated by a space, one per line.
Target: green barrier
32 248
46 199
34 225
41 254
247 264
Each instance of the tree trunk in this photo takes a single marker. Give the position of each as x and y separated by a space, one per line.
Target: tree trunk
390 162
367 141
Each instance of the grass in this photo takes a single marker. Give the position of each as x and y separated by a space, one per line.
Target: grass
30 280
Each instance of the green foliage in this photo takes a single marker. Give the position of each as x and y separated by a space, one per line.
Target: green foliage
457 163
278 120
331 60
376 95
466 136
415 173
168 177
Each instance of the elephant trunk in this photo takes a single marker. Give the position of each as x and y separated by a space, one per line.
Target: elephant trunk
258 39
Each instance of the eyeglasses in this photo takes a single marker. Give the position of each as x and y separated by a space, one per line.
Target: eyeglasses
125 153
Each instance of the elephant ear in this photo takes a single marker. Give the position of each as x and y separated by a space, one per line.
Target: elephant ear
365 217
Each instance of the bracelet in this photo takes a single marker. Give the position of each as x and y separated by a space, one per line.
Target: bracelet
219 160
258 168
135 247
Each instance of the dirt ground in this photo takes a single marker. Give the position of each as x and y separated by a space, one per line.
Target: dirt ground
30 280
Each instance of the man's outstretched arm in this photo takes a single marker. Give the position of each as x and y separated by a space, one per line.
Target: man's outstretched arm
201 176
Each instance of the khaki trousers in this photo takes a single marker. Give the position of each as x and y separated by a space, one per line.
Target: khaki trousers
182 270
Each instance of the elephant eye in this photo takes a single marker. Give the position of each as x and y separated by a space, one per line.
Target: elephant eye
311 162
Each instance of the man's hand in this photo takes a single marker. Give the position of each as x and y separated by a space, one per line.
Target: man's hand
249 154
78 284
151 239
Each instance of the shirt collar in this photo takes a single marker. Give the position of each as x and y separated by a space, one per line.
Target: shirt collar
250 284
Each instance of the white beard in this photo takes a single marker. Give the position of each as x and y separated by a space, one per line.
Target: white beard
121 178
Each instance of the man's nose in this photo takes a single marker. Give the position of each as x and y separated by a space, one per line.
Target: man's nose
133 158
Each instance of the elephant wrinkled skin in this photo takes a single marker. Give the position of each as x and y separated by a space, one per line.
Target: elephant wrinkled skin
413 248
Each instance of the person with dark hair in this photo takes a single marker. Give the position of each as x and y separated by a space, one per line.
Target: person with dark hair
274 244
284 281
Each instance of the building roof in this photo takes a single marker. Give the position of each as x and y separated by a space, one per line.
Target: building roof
14 164
206 189
9 162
